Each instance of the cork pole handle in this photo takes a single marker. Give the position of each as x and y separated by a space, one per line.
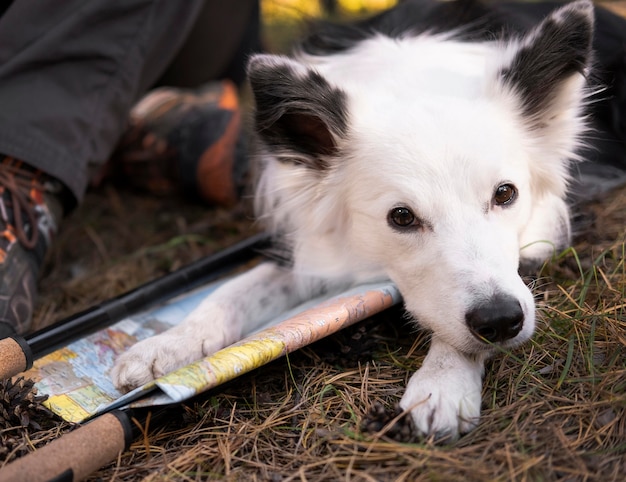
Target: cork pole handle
75 455
15 356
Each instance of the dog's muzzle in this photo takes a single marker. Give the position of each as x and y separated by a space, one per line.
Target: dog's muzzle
496 320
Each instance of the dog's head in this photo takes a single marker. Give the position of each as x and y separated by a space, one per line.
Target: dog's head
433 162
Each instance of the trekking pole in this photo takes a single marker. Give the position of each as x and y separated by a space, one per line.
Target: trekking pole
75 455
17 353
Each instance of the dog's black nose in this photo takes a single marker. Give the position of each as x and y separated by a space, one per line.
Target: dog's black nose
498 319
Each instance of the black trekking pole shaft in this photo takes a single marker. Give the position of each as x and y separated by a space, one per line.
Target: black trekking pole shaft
17 353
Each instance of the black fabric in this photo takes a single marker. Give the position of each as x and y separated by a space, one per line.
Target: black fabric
6 330
70 71
218 46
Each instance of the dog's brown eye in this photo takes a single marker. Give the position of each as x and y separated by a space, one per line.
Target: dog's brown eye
505 194
402 217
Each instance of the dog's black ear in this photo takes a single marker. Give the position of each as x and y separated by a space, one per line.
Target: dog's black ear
548 67
298 113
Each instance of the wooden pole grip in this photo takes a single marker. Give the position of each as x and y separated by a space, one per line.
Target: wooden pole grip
15 356
75 455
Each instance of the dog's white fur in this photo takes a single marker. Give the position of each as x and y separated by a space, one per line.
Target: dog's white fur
432 127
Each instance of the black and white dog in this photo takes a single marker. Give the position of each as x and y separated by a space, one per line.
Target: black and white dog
433 145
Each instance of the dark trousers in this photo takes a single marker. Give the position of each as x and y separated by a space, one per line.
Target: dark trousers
70 70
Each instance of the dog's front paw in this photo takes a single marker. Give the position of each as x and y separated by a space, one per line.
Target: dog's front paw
444 396
193 339
153 358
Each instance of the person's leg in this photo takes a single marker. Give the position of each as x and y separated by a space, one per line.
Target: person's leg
185 142
218 46
69 74
185 136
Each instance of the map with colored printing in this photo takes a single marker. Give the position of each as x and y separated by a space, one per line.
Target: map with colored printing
76 377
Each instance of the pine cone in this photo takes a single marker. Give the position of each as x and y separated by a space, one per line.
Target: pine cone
378 417
20 406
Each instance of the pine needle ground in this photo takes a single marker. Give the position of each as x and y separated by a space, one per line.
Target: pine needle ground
554 409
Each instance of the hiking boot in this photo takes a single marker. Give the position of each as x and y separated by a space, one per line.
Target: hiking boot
187 141
29 213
